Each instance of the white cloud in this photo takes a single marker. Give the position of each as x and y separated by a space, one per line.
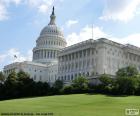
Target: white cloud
43 8
2 57
3 12
70 23
4 4
98 32
133 39
122 10
84 34
17 2
9 56
41 5
8 2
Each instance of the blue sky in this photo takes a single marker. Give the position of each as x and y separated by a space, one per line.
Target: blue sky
22 20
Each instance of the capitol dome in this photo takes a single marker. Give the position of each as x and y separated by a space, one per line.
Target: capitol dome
51 29
49 43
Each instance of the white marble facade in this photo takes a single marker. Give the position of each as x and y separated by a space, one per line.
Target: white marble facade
95 57
52 60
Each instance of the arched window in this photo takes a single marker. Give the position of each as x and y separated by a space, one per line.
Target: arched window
68 77
83 74
75 75
34 77
40 78
48 54
87 73
65 78
71 77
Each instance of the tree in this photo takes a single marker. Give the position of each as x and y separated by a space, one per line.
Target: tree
58 84
106 85
129 71
2 77
127 80
106 80
11 85
22 75
127 86
138 89
12 76
68 89
80 83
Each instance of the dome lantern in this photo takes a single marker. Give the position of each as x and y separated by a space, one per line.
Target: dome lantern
52 18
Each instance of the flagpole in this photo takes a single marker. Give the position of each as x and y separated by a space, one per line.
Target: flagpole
92 32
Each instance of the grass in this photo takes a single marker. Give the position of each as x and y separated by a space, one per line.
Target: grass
72 105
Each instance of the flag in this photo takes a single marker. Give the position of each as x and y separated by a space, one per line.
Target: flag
15 56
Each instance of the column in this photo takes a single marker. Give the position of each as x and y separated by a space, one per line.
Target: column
41 54
48 54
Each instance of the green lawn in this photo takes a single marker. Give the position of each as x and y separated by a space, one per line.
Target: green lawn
72 105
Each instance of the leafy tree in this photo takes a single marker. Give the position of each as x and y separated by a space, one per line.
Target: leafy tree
68 89
80 83
127 80
12 76
58 85
22 75
129 71
106 80
11 85
2 77
127 85
106 85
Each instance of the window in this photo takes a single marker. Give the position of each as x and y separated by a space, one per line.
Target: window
34 77
71 77
92 51
84 52
75 75
88 52
96 52
68 77
62 78
80 54
40 78
77 55
87 73
69 57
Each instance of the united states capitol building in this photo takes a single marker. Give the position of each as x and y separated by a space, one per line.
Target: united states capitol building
52 60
